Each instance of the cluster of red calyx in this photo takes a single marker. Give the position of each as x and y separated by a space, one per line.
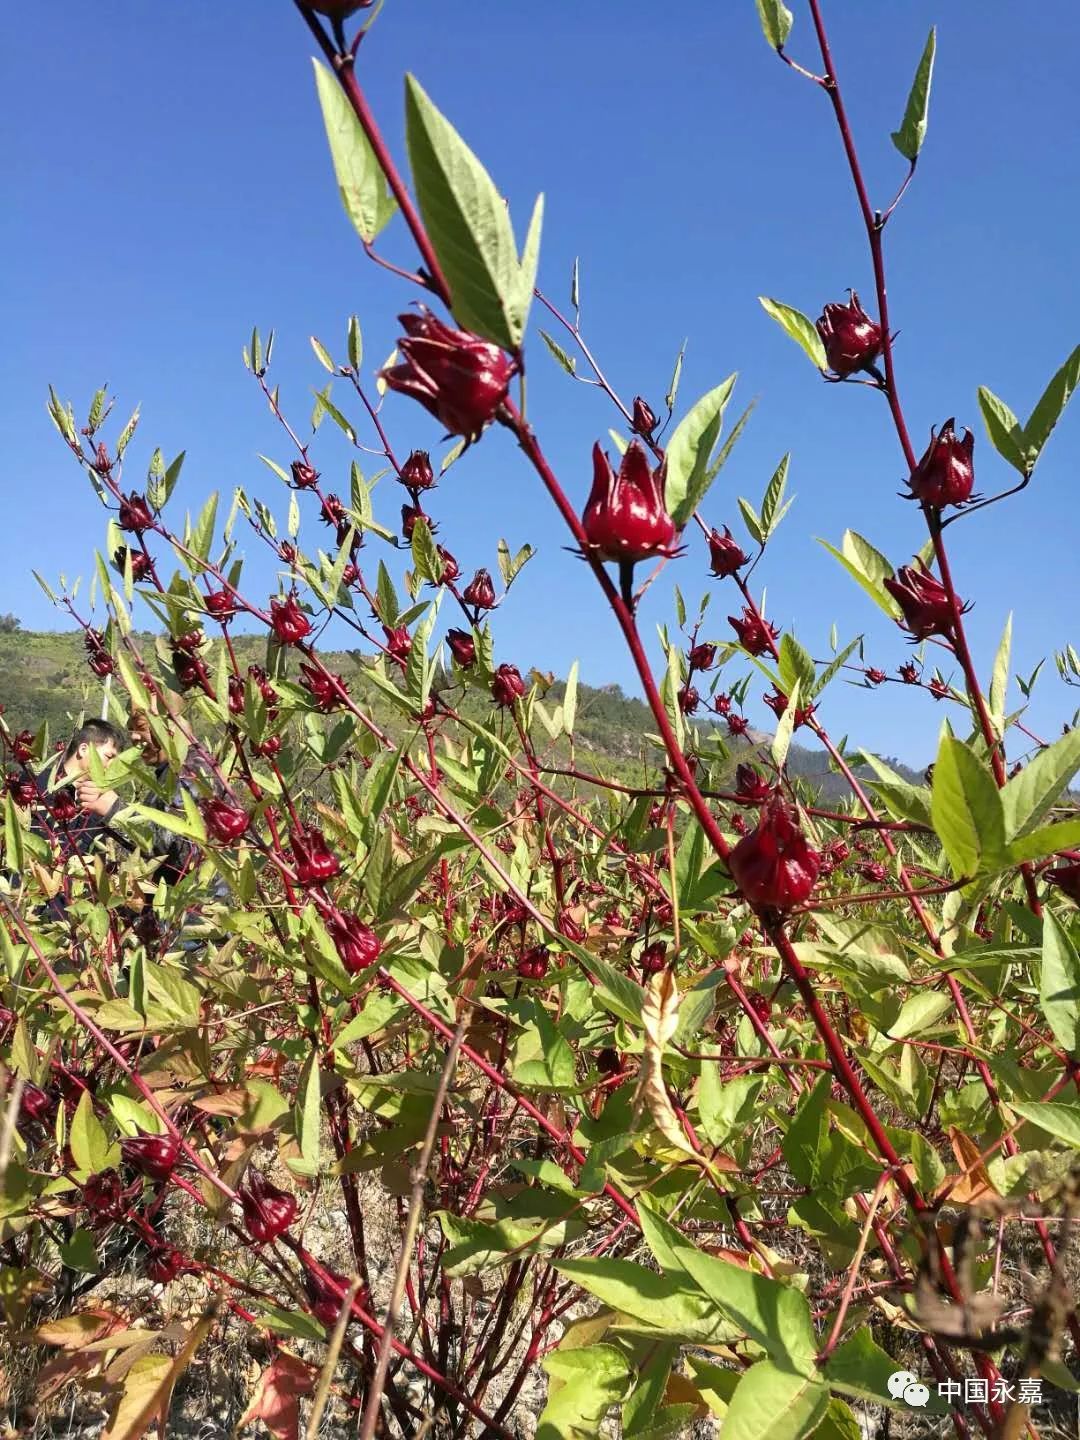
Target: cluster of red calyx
268 1211
945 475
142 567
755 633
457 377
288 621
775 866
726 557
462 647
533 965
507 686
135 515
751 787
923 600
225 821
778 704
313 861
653 958
851 339
100 661
154 1156
357 945
327 690
625 518
480 592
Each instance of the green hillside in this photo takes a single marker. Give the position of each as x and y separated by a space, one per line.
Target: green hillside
44 679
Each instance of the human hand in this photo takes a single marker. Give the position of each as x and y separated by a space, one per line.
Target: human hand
93 799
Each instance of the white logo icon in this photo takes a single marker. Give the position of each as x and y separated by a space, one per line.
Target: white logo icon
903 1385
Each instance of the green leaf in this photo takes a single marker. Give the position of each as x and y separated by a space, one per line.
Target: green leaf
919 1012
660 1302
1049 409
542 1059
355 343
772 507
724 1105
690 450
1061 1121
774 1315
1029 796
1004 429
966 809
903 800
1047 841
868 567
323 355
1059 984
469 226
775 20
584 1384
310 1118
569 703
785 728
860 1367
999 681
90 1146
796 666
800 327
909 138
568 363
361 183
774 1404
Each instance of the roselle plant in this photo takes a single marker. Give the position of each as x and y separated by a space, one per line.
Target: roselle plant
666 1086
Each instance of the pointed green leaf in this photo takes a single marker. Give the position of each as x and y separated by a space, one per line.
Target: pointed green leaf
771 1403
1029 796
909 138
799 326
469 225
690 450
1059 984
361 183
1049 409
1004 429
775 20
966 808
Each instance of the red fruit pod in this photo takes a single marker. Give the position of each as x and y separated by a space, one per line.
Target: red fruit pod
152 1155
703 656
221 605
268 1211
480 592
324 1300
851 339
689 700
644 420
313 861
357 945
288 621
751 787
416 473
924 601
164 1263
653 958
225 822
457 377
507 686
945 475
775 866
726 556
304 476
754 632
462 647
135 514
625 518
103 1195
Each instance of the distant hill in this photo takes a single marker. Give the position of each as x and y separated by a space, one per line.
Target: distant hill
44 678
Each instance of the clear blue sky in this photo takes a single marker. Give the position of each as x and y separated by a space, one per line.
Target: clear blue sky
169 187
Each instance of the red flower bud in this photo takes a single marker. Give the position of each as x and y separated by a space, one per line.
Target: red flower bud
738 824
268 1211
924 601
703 657
270 746
450 566
909 673
356 943
63 808
152 1155
326 690
644 421
874 871
726 555
135 515
141 565
236 695
751 787
625 518
289 622
760 1004
755 633
480 592
457 377
350 575
851 339
22 746
304 476
945 475
533 964
22 789
189 641
778 704
462 647
313 861
398 641
164 1263
103 1195
225 822
722 704
287 552
189 670
1067 880
332 511
101 462
839 850
507 686
325 1302
874 676
101 663
653 958
938 688
221 605
570 927
737 724
37 1104
689 700
416 473
775 865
